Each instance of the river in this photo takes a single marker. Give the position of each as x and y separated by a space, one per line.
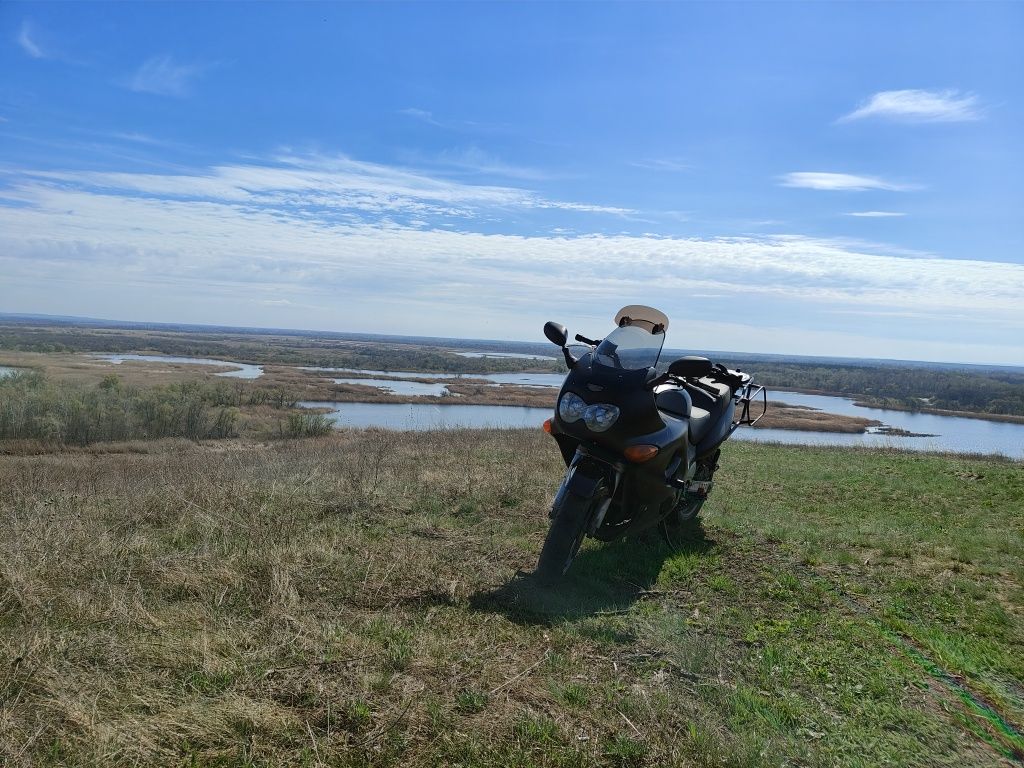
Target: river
947 433
244 370
944 433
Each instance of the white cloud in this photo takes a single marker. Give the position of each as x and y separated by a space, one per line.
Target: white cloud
28 45
150 226
875 214
347 238
840 182
162 76
336 183
917 106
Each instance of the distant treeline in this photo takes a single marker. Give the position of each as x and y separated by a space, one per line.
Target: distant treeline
904 387
33 407
281 350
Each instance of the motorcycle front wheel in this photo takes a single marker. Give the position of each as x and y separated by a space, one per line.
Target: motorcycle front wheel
571 517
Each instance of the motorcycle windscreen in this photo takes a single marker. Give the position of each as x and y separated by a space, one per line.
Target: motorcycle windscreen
629 348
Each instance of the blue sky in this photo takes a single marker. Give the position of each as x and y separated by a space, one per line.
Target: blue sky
803 178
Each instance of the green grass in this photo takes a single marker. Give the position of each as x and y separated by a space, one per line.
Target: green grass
358 600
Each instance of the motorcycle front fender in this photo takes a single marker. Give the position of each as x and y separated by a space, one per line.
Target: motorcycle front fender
584 474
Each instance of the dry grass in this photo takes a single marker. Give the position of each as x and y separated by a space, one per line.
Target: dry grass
353 600
784 416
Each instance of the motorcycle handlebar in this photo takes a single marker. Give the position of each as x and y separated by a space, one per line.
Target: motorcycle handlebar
585 340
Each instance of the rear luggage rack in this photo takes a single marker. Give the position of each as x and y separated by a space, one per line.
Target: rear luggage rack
748 396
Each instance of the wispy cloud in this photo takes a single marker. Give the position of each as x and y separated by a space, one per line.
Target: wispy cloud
336 226
875 214
329 186
420 114
331 239
663 164
840 182
139 138
475 160
917 106
162 75
28 45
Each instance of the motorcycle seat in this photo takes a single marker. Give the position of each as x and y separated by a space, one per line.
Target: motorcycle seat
700 423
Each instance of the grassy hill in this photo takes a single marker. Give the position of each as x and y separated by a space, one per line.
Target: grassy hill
354 600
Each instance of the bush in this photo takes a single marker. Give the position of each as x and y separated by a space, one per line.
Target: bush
31 407
307 425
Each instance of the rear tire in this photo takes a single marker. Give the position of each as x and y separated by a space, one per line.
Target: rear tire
571 519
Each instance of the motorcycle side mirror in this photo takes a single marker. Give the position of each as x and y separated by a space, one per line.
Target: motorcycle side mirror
690 366
556 333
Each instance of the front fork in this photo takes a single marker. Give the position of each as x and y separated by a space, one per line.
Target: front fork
582 477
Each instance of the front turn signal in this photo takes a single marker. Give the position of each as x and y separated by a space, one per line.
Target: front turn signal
546 426
641 453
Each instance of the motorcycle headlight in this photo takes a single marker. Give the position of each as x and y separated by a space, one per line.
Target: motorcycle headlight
571 407
600 417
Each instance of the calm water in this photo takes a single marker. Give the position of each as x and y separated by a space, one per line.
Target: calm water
510 355
415 388
386 374
947 433
523 379
553 380
5 371
245 370
420 416
951 433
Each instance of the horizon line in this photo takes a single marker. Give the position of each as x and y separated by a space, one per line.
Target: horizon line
71 319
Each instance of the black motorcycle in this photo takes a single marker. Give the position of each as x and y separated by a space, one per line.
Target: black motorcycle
641 446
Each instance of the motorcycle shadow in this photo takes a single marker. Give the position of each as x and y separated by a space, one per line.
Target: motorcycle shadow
604 578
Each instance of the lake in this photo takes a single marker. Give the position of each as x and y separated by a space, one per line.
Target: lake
245 370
